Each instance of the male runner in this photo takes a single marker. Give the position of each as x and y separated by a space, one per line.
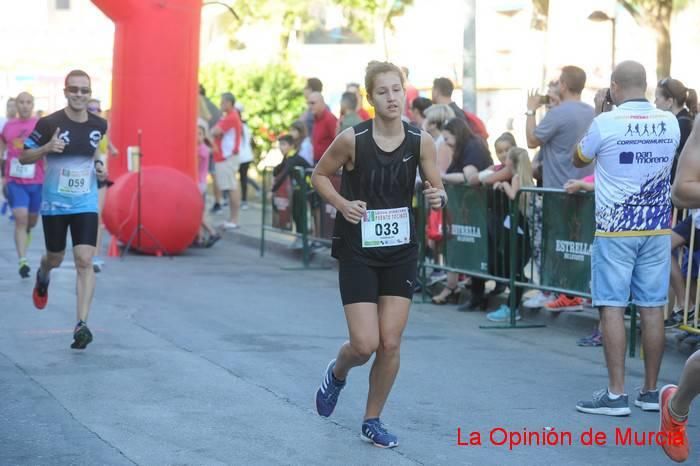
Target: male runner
23 181
68 140
375 239
675 400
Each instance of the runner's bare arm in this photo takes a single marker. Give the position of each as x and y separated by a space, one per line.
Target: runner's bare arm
433 191
686 188
340 154
428 161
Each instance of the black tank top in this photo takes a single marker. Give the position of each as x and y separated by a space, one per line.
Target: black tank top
384 180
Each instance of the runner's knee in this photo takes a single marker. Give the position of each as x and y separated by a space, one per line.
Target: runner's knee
83 260
365 347
21 220
390 345
54 259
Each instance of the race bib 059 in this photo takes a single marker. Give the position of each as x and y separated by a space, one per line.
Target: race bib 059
74 182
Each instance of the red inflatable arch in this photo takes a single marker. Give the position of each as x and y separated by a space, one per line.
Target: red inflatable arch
154 89
154 80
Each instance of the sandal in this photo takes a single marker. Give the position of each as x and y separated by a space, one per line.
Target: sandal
451 295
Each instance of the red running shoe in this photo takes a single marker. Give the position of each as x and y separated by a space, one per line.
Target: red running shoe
40 296
564 303
676 445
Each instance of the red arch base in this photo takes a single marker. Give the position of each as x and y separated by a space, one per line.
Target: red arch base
171 210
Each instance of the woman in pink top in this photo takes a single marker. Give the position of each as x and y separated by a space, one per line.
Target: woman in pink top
24 182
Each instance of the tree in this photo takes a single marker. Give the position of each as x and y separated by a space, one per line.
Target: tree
272 96
656 14
299 15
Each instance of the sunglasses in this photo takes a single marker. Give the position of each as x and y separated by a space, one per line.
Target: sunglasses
77 89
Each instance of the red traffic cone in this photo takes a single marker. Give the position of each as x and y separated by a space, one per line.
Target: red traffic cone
113 249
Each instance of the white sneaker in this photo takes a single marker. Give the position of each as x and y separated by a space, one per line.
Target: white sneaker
229 226
538 300
244 206
297 244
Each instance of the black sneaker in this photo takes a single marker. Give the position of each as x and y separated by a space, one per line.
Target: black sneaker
648 401
215 208
81 336
24 270
212 241
674 320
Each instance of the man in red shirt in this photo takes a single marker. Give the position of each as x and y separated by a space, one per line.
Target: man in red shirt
325 124
227 134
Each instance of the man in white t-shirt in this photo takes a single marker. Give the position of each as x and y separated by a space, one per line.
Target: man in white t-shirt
634 146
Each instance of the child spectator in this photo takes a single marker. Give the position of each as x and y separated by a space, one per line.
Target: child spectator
500 172
291 160
302 143
518 162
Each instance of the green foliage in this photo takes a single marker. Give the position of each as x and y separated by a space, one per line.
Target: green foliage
272 96
301 13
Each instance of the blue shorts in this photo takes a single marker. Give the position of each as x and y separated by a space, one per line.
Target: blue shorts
24 196
637 266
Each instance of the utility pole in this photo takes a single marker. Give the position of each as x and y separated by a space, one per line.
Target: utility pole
469 57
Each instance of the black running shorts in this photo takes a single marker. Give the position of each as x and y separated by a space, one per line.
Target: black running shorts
362 283
83 230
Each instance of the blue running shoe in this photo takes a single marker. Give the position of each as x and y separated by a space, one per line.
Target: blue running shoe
502 314
373 431
327 394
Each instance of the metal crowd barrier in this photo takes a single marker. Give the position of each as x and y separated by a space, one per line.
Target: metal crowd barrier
293 208
688 324
549 250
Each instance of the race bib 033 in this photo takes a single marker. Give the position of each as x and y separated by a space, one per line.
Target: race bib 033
386 227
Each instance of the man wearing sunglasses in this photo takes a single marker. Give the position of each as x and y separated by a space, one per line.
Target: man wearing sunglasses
68 139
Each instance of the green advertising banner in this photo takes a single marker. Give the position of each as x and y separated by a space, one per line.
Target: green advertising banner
568 228
467 245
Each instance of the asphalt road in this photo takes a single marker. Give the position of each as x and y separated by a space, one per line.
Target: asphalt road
214 358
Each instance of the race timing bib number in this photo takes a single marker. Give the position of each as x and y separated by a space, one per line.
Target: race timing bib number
74 182
17 170
386 227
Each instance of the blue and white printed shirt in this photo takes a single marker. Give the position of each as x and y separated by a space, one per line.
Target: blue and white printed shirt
634 146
